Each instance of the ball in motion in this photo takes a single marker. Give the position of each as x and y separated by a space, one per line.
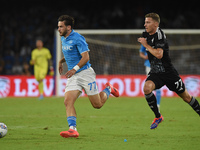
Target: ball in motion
3 130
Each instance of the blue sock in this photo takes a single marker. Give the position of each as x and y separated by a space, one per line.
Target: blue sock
158 96
71 121
107 91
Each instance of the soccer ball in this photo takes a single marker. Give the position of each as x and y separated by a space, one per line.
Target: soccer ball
3 130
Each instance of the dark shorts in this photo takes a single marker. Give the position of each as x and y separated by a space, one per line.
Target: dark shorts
172 80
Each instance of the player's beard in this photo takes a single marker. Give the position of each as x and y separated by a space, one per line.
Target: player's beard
63 33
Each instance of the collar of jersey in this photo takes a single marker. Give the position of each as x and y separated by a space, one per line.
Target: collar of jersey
157 30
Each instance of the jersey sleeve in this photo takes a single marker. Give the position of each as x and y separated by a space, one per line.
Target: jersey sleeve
160 44
161 40
142 49
82 45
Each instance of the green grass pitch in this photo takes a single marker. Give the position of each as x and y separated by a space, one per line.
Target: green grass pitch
35 125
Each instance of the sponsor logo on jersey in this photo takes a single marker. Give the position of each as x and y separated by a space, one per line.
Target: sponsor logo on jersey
67 47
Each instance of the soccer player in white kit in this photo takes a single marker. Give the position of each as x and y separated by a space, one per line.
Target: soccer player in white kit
80 73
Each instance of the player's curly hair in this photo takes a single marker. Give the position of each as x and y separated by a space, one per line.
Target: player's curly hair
68 20
154 16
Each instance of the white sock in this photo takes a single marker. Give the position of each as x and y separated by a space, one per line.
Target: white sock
73 127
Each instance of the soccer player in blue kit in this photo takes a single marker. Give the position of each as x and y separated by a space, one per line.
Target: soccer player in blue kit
80 73
143 55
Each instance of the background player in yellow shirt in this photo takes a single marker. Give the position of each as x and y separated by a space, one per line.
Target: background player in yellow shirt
39 58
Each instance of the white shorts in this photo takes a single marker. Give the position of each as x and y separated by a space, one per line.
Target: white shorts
86 79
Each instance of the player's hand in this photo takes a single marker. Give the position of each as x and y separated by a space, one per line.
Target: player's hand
143 41
70 73
60 68
32 62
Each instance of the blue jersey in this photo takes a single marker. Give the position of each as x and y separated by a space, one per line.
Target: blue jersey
72 47
143 50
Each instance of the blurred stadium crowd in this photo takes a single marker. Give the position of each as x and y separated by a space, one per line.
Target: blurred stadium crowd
21 26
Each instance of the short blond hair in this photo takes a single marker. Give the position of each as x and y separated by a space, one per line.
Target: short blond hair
154 16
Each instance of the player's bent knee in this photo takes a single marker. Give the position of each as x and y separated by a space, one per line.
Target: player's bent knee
148 87
68 102
65 102
95 101
97 106
147 90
